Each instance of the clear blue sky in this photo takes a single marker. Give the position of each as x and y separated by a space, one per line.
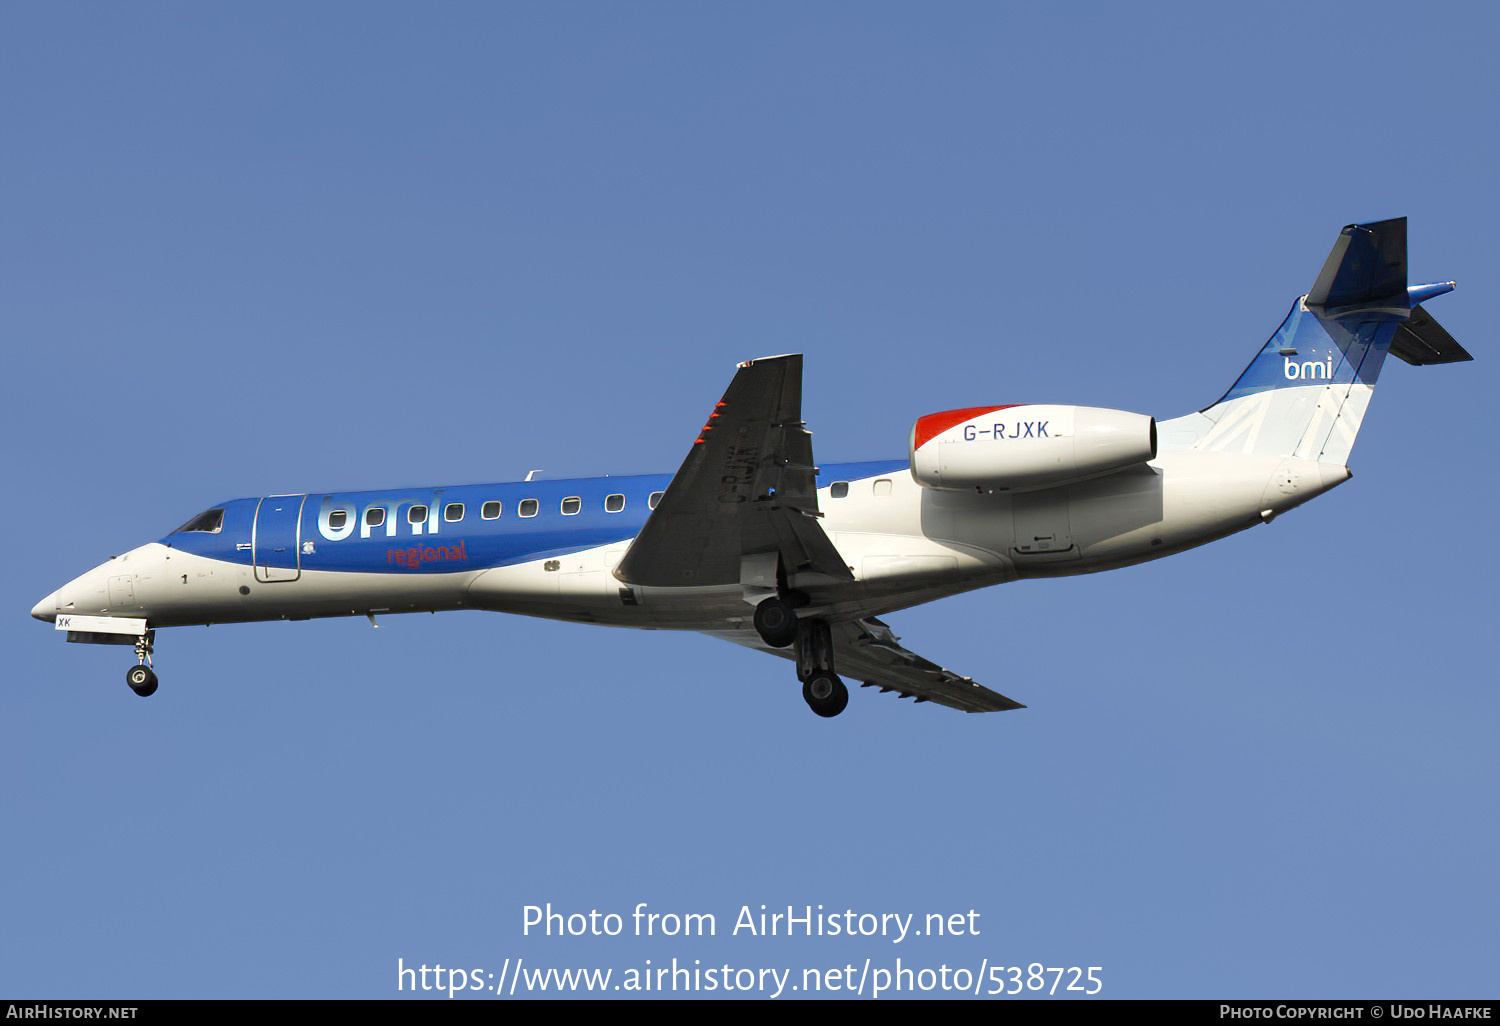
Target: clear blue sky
255 249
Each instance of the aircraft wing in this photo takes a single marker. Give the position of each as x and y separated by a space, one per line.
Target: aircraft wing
866 651
746 488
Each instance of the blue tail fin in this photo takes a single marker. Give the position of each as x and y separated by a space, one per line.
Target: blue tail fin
1305 394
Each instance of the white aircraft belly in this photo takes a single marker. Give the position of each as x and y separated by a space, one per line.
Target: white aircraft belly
173 587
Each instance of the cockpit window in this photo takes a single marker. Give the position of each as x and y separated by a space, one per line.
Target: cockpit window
208 522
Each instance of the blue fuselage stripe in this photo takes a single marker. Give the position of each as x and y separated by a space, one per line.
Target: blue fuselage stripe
422 530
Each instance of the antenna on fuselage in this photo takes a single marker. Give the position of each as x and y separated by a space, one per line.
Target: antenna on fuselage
529 473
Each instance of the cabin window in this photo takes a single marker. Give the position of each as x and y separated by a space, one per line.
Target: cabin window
453 512
883 486
416 514
337 518
375 516
208 522
838 490
529 507
490 510
572 504
655 498
614 503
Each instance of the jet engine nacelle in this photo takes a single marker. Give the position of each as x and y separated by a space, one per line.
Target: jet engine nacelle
1021 448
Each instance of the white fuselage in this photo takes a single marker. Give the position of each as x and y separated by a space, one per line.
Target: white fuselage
904 544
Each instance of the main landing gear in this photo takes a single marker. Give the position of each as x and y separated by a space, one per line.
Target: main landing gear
824 694
141 677
776 621
822 690
777 624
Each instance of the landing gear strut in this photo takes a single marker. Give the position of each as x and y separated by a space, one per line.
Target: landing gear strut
822 690
141 677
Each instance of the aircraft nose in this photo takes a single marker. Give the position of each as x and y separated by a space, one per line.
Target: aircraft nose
46 609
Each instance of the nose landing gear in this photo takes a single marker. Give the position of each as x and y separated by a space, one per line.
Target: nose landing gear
142 680
141 677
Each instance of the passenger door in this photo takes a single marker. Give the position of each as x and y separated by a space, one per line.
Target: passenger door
276 538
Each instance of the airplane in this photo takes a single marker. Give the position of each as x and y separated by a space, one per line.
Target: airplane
753 542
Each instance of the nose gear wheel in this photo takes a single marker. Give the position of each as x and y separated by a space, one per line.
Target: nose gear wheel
141 677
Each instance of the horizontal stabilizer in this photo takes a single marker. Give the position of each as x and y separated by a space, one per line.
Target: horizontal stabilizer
1367 266
1422 340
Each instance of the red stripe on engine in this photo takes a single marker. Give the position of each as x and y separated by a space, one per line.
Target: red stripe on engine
936 423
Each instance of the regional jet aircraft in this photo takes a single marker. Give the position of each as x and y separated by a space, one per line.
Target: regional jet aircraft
752 542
